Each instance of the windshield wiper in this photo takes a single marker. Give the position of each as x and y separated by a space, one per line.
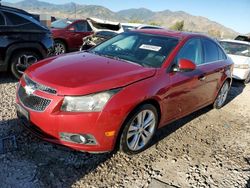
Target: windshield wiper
121 59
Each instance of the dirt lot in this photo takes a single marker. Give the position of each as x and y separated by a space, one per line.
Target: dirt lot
210 148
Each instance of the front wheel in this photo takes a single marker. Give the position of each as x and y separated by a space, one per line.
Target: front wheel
222 96
22 60
139 129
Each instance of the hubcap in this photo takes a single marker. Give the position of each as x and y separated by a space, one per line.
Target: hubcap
59 49
223 94
141 130
24 62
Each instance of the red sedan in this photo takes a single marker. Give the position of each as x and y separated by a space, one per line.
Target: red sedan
121 91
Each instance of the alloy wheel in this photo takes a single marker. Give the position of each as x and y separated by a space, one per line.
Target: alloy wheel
24 61
141 130
59 48
223 94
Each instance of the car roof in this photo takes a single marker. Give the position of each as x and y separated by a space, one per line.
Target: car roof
171 33
235 41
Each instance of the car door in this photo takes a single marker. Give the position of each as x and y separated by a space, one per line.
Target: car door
78 31
213 67
186 92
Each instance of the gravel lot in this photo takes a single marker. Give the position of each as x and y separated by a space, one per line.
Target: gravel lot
210 148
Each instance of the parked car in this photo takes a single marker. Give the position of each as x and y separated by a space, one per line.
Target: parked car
68 33
96 38
243 38
131 26
23 40
239 52
120 92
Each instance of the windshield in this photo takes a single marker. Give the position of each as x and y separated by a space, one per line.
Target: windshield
236 48
143 49
61 24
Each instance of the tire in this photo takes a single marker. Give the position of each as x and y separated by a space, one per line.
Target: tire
136 138
21 60
222 96
59 47
247 80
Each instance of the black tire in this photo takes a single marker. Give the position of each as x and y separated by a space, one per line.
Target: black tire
124 145
21 60
247 80
221 96
59 47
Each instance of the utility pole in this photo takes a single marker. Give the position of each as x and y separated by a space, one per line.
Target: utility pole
75 9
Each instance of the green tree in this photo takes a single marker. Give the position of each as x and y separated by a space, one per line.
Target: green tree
178 26
214 33
135 21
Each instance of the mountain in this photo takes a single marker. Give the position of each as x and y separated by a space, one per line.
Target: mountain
141 14
165 18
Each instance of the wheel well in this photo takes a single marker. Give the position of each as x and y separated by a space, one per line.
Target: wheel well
148 101
14 52
63 41
154 103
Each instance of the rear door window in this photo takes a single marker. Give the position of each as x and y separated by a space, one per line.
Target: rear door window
222 55
211 51
15 19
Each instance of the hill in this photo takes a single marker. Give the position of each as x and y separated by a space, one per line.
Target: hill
165 18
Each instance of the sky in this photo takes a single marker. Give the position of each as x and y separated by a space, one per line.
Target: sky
234 14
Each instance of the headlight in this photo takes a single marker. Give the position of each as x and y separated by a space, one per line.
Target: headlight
242 66
88 103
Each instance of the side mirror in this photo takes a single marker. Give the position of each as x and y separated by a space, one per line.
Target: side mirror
184 65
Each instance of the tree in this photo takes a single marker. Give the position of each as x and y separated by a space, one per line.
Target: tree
178 26
135 21
214 33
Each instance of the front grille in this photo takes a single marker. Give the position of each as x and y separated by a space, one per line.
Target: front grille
32 101
37 86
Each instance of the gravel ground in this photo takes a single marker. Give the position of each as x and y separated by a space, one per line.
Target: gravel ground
210 148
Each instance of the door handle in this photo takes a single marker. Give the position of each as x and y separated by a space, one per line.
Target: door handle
202 77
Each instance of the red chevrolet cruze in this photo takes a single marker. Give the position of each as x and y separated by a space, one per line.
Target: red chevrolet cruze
121 91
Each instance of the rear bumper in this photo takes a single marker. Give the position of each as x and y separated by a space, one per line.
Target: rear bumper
240 74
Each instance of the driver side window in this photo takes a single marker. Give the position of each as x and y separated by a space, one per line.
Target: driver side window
192 51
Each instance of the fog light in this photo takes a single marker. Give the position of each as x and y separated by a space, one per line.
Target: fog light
86 139
78 139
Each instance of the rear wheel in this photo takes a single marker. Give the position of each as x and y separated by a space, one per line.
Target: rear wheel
21 60
59 47
222 95
139 129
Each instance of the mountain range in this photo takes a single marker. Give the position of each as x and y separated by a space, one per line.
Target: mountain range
164 18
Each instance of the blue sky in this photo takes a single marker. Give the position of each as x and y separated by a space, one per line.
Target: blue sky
234 14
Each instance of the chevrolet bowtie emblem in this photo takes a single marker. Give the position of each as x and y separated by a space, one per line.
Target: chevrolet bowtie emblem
29 90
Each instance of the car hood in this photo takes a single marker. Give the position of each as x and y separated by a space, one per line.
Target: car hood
237 59
84 73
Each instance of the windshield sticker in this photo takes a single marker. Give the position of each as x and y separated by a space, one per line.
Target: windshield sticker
150 47
69 22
